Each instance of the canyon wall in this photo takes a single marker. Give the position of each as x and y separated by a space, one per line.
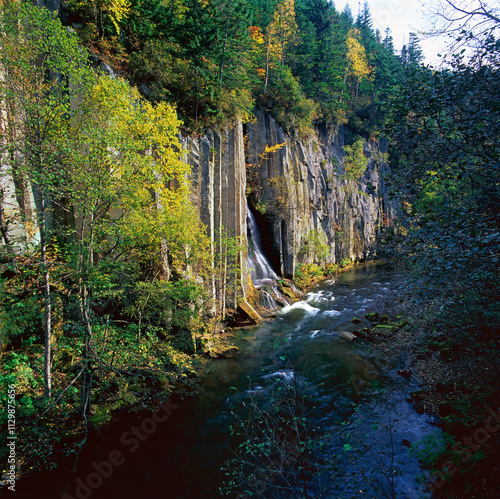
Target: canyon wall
306 207
218 179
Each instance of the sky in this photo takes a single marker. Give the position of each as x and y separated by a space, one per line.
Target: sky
402 17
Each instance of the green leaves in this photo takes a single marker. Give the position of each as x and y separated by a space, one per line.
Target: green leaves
355 162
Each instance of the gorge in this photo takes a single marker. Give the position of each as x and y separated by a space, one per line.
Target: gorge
251 244
301 189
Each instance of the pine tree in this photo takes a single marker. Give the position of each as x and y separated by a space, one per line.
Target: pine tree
322 54
415 54
347 14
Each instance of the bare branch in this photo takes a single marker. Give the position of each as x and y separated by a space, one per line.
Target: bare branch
468 23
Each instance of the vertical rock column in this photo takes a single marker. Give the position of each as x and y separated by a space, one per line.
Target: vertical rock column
218 190
16 197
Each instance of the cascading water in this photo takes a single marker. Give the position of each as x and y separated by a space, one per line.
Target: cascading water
269 301
278 294
259 266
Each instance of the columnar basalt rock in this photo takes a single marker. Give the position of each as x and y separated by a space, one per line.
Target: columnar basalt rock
303 190
218 179
299 188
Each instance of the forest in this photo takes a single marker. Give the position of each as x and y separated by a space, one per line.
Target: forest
107 272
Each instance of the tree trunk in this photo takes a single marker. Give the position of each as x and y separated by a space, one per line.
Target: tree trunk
87 353
165 267
267 66
221 66
47 316
5 232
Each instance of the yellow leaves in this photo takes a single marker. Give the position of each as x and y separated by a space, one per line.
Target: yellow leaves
284 23
356 56
128 160
237 103
355 162
256 34
282 31
117 10
270 150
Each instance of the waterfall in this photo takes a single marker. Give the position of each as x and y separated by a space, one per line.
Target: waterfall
269 301
279 295
260 268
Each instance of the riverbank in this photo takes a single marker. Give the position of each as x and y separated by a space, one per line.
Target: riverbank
458 380
189 450
132 374
139 377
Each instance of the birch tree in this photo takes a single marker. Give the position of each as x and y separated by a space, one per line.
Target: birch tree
43 67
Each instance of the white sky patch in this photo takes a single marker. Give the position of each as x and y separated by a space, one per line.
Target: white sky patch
402 17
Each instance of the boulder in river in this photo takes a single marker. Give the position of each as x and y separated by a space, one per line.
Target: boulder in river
405 373
248 312
348 336
224 351
373 317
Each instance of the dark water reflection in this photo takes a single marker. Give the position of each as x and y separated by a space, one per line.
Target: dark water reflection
183 457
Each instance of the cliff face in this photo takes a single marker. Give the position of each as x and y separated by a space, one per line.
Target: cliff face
302 188
218 190
306 207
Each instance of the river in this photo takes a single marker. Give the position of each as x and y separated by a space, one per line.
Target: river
356 403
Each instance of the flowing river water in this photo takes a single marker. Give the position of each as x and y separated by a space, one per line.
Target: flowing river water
358 402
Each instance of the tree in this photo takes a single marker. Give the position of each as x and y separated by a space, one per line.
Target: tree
347 14
467 23
200 32
153 19
364 20
321 56
281 33
446 127
387 76
357 62
44 67
124 178
415 54
236 51
235 23
115 10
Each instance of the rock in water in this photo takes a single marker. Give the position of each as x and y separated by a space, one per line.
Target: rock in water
348 336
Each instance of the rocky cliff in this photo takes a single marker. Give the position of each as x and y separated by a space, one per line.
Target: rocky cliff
306 206
218 178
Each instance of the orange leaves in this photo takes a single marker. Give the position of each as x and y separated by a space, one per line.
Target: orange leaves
256 34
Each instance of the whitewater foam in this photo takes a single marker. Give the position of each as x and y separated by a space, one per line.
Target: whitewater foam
300 305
